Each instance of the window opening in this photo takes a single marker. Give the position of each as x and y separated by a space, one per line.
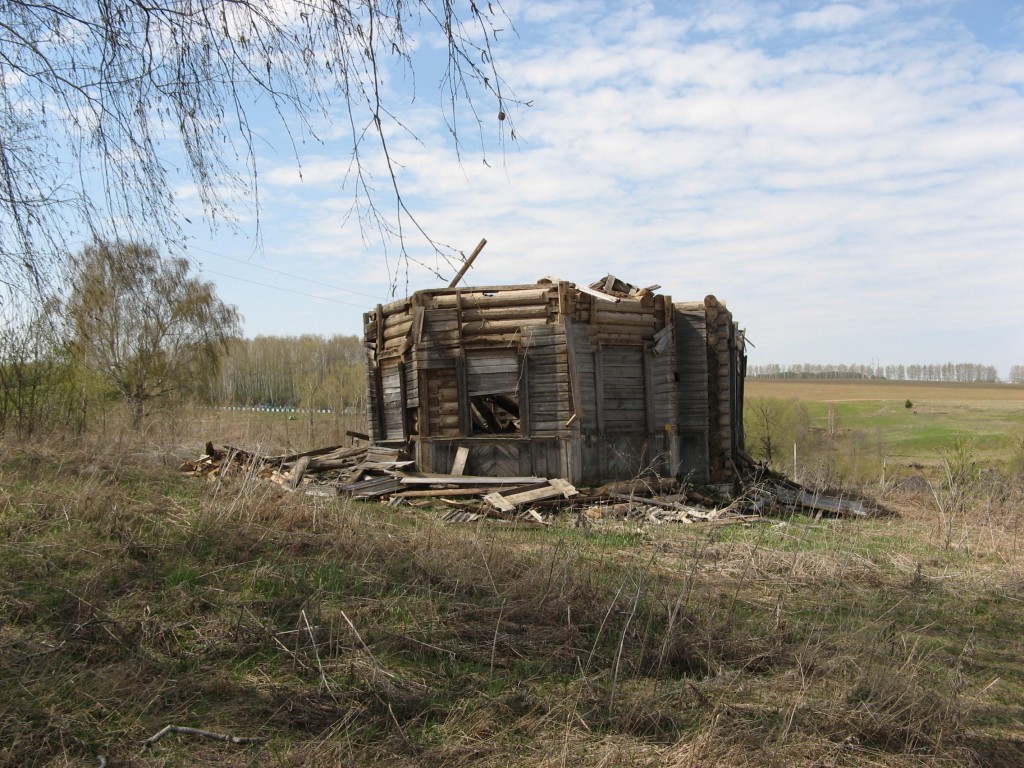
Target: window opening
492 380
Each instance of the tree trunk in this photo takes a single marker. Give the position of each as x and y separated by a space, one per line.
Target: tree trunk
138 411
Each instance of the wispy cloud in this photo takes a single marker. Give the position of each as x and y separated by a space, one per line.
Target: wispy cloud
846 175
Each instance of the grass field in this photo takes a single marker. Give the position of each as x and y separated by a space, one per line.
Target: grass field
354 634
990 416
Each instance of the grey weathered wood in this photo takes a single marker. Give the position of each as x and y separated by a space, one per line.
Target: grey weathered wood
429 478
597 294
551 489
459 465
469 263
605 384
821 502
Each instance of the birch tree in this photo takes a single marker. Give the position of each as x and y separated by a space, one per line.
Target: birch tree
144 323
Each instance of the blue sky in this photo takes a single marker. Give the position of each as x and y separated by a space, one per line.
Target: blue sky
848 177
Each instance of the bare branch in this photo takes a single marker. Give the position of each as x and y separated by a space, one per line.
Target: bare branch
168 729
104 105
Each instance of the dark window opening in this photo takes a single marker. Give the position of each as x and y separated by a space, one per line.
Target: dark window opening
492 391
495 414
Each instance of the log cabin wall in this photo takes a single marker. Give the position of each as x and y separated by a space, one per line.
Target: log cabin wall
692 390
555 380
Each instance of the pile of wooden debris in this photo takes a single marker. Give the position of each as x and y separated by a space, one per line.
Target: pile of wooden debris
385 474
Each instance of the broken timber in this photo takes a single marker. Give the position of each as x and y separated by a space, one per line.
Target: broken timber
383 473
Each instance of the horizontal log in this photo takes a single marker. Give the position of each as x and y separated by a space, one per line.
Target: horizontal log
488 327
445 395
398 330
628 323
510 297
503 314
626 307
395 307
556 380
510 340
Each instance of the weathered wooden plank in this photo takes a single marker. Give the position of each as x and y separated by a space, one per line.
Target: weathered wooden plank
627 306
551 489
444 394
430 478
597 294
550 372
440 492
556 392
550 408
492 372
459 464
693 307
638 339
549 428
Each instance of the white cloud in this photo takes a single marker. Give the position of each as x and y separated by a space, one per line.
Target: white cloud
846 177
830 18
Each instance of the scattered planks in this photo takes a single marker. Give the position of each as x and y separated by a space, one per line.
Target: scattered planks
386 473
287 470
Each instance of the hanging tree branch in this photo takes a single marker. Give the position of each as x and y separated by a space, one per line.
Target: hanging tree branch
104 105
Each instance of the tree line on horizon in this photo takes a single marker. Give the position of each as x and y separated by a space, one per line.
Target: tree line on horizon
943 372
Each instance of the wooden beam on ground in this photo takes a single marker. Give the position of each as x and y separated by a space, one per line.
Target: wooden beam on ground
425 478
508 502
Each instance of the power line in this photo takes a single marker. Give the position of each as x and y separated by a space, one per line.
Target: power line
281 272
286 290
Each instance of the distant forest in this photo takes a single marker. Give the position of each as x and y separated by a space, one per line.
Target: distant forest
290 371
956 372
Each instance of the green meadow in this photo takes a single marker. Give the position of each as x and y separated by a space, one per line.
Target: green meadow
872 419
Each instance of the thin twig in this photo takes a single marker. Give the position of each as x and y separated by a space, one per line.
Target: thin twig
377 667
316 653
494 642
198 732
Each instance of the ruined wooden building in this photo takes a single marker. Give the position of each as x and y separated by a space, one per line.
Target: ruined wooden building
590 384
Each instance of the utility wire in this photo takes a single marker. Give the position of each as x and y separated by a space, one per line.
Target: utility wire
281 272
286 290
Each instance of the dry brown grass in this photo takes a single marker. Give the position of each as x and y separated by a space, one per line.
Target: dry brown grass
353 634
